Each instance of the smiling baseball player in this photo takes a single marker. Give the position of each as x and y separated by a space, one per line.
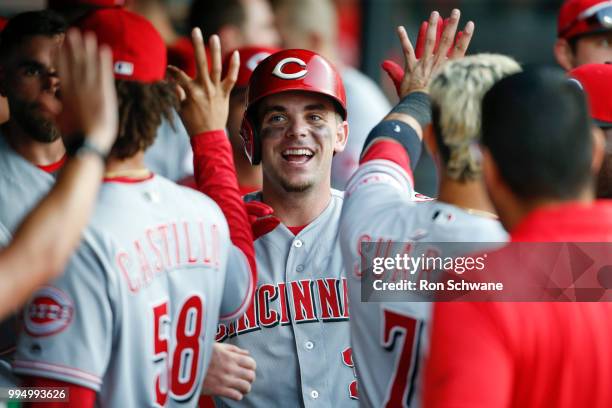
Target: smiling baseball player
297 328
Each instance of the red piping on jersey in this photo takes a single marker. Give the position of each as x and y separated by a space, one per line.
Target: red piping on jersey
391 150
297 230
215 176
128 180
53 167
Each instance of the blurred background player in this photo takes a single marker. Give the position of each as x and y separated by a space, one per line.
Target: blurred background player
531 354
389 359
162 252
238 23
31 150
35 255
596 81
584 33
312 25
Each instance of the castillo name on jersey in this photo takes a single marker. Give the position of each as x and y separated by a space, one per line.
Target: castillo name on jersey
165 247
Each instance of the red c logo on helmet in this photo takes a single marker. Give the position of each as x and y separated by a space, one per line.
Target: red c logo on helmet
278 69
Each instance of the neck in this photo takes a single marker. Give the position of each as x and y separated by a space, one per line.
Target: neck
469 195
514 216
122 166
248 175
295 209
37 153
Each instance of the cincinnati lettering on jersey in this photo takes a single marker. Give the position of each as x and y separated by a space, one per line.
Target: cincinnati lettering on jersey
166 247
302 301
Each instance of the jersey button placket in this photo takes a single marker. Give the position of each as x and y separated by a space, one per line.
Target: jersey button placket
314 394
297 243
308 345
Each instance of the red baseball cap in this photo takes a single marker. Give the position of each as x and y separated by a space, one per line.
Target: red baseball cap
596 81
250 57
62 4
578 17
139 52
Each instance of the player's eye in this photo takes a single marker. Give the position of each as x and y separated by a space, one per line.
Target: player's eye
32 71
276 118
315 117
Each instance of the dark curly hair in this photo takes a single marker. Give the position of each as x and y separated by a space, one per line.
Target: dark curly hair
142 107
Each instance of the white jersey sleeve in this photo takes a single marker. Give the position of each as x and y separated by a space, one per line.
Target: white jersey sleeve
239 285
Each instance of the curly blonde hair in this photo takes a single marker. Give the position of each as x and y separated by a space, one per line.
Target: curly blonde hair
456 93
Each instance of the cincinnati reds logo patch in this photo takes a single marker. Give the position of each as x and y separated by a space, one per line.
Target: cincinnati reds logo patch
50 312
279 69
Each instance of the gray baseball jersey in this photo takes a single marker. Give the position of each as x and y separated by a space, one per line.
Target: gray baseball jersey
297 328
170 155
135 314
22 185
389 338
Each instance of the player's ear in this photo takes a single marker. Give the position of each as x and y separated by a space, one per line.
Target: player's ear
599 148
342 132
564 54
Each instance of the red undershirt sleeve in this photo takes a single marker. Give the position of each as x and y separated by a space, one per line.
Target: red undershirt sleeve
215 176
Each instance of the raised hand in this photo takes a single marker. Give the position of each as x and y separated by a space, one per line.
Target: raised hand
87 90
435 50
205 99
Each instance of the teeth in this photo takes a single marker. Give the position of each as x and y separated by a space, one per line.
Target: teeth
297 152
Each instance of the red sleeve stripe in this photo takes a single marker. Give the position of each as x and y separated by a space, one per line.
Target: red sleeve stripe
28 367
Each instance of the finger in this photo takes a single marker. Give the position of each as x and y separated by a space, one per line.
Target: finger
448 36
180 77
215 55
200 55
230 393
457 39
238 350
90 69
232 72
420 43
441 26
63 65
409 57
395 72
240 385
430 36
463 41
246 362
245 374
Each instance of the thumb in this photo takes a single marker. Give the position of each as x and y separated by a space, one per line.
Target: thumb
395 72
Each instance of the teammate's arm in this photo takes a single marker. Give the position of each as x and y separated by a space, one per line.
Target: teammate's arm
397 138
204 111
35 254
